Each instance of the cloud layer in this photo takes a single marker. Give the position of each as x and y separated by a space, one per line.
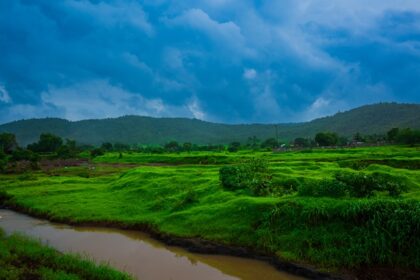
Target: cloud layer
225 60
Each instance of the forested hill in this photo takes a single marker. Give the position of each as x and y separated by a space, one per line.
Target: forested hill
370 119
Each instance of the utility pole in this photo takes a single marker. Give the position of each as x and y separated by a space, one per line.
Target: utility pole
277 135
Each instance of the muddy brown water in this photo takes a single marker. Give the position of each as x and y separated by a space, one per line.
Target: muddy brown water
137 253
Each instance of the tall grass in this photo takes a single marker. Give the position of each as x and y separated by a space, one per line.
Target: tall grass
346 232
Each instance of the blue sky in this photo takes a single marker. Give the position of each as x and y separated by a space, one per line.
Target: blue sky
229 61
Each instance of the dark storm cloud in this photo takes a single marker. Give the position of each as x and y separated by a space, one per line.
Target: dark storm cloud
220 60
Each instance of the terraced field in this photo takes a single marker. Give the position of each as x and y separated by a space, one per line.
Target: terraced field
181 195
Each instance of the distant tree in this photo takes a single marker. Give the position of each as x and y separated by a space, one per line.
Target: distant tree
96 152
358 137
3 161
47 143
408 136
342 141
24 154
120 147
392 134
107 146
326 139
172 146
187 147
234 147
301 142
375 138
85 147
253 142
8 142
270 143
68 150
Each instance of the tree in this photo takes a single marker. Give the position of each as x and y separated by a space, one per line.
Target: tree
358 137
107 146
172 146
326 138
408 136
3 161
96 152
301 142
24 154
253 142
120 147
47 143
187 147
234 147
8 142
392 134
69 150
270 143
342 141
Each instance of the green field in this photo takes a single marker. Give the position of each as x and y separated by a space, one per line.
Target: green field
180 194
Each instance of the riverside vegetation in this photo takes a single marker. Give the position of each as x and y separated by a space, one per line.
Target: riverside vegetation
23 258
333 208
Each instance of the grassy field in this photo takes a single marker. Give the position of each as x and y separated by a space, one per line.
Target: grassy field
23 258
180 194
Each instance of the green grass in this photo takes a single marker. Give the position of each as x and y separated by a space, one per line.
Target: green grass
23 258
182 196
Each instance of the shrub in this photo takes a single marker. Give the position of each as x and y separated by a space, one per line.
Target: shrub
253 175
331 188
358 184
392 184
229 177
286 185
364 185
323 188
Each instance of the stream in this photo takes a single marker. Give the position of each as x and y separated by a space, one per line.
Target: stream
137 253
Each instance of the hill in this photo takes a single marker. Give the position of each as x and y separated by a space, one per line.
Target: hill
369 119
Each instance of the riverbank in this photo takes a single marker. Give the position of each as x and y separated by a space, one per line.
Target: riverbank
24 258
185 205
137 253
194 245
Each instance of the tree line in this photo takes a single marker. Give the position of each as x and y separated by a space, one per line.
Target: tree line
53 146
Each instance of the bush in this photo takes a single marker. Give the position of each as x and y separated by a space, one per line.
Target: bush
286 185
392 184
252 175
358 184
323 188
229 177
364 185
355 185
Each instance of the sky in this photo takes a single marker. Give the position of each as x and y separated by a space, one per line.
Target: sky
232 61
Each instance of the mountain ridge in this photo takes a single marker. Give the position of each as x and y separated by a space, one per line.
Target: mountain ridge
368 119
